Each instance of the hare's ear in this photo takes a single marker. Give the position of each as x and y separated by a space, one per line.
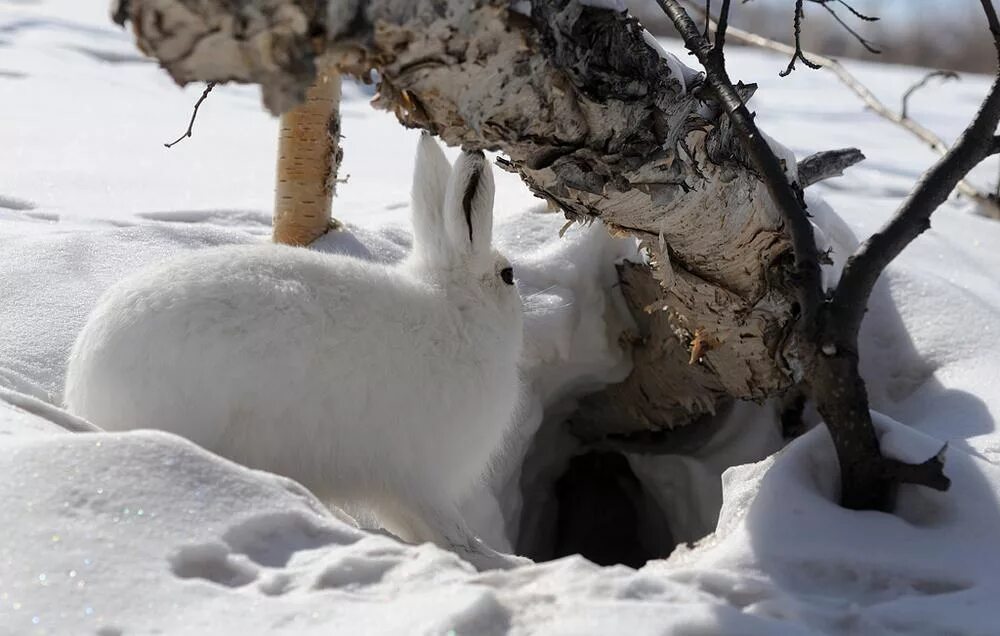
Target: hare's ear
430 185
468 208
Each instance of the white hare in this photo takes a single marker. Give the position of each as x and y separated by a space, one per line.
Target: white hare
389 387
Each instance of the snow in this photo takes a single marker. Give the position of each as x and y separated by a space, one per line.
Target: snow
143 532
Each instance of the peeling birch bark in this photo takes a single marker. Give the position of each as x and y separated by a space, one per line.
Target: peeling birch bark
594 120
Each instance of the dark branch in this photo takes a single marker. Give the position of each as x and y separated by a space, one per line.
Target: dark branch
809 291
945 75
194 115
708 17
991 19
857 36
799 18
856 13
720 33
827 164
930 473
798 55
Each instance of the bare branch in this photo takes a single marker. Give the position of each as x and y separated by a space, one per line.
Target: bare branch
720 32
827 164
857 14
857 36
797 54
708 22
991 19
194 115
945 75
929 473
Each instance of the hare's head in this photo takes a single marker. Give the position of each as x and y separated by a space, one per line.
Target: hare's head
453 227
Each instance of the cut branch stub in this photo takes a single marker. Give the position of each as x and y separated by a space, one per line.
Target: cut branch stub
589 114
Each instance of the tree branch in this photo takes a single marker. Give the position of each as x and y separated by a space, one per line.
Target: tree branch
827 164
946 75
929 473
857 36
194 115
797 53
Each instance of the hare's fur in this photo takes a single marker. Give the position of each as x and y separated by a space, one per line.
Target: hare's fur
390 387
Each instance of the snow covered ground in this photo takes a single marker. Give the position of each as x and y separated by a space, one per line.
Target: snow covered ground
143 532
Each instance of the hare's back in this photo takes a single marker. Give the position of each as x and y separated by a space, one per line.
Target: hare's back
196 343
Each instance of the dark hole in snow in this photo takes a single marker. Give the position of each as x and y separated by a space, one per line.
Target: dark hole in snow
599 509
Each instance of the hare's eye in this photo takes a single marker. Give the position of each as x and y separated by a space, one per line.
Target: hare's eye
507 274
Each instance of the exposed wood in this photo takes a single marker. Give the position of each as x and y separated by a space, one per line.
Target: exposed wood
309 154
827 164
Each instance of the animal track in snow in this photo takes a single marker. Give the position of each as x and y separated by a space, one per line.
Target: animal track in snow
217 217
351 571
866 585
111 57
270 541
273 540
212 562
13 203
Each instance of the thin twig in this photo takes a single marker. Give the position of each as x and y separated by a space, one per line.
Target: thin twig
797 53
194 115
990 205
857 36
857 14
945 75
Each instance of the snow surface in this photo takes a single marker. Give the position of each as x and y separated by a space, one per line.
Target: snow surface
143 532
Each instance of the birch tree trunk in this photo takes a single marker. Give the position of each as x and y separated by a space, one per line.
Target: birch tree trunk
309 154
593 118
